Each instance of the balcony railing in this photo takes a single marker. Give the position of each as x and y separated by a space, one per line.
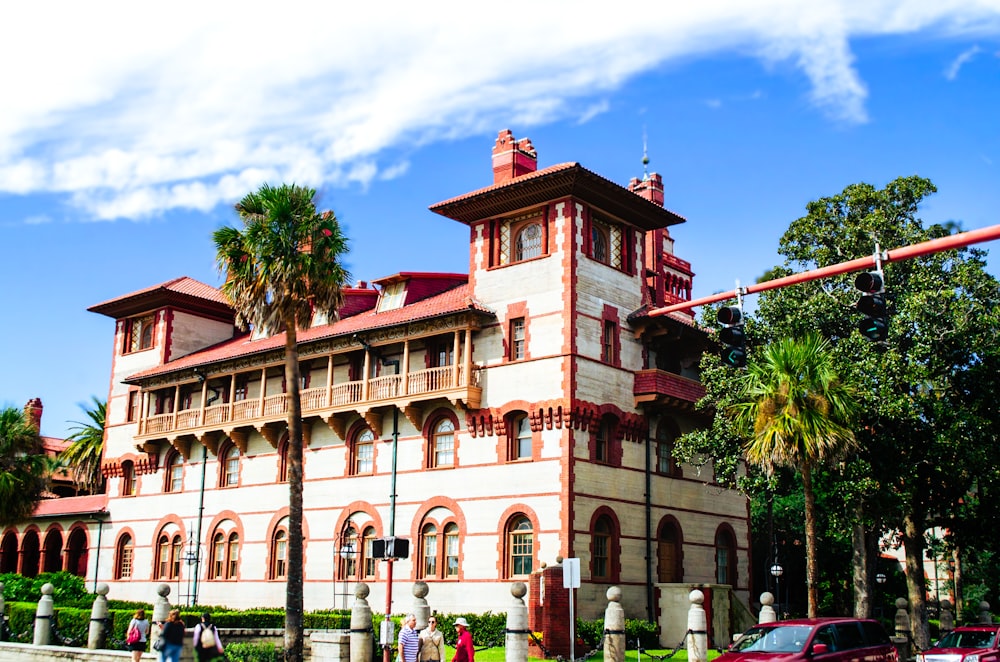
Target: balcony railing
429 383
667 387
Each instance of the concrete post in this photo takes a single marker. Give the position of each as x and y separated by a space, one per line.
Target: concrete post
984 612
420 607
766 614
516 641
947 617
3 611
98 635
614 627
161 609
362 640
902 639
697 638
43 616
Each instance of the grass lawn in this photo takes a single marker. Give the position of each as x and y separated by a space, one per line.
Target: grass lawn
498 655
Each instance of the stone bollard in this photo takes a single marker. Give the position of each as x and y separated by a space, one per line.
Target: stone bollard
766 614
947 617
697 638
97 637
516 641
420 608
984 612
43 617
362 640
614 627
902 638
161 609
3 613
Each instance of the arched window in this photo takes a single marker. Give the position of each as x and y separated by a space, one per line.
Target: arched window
363 453
602 541
283 460
666 434
370 562
429 551
725 557
528 243
124 552
443 444
519 440
520 546
128 478
225 552
279 551
230 474
350 552
168 556
599 242
174 473
670 568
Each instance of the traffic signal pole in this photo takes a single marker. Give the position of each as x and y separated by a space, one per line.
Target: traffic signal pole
948 243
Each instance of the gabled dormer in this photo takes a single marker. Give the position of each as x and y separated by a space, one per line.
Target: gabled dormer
407 288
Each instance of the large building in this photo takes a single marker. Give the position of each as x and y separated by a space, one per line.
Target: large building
523 412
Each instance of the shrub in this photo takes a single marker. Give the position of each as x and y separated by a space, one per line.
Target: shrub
68 587
644 632
247 652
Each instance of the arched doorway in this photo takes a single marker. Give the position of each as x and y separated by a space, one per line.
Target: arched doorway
52 555
77 552
30 554
8 553
669 554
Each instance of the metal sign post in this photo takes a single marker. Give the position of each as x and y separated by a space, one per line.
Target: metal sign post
571 580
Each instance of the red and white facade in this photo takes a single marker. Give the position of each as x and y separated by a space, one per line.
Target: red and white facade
533 402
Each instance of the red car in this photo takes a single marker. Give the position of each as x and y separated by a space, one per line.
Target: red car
966 643
813 639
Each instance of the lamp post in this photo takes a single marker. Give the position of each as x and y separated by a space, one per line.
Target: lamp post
776 572
880 579
347 554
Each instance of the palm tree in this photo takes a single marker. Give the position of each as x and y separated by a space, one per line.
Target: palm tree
84 454
798 414
24 467
280 270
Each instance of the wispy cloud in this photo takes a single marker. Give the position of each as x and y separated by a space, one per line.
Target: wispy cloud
122 117
951 72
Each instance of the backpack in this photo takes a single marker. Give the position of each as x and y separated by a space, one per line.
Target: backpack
207 638
132 635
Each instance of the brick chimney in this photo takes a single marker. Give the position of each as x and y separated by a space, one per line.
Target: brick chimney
650 188
33 412
512 158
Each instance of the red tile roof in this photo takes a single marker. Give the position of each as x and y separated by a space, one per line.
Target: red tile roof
452 301
69 506
183 291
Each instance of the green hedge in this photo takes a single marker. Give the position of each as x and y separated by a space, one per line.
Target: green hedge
69 588
635 630
254 653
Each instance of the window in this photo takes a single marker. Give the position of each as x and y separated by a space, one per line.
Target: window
241 389
230 475
599 242
168 553
175 473
605 443
123 557
517 339
164 403
364 453
392 296
666 434
134 398
283 460
444 444
529 242
601 442
606 243
128 478
224 562
520 438
608 338
279 554
725 558
440 354
429 551
520 547
349 552
370 562
139 333
451 550
600 551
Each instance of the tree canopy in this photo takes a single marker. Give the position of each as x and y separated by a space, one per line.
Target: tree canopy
24 467
84 454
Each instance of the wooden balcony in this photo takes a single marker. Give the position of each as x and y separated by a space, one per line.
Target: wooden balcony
667 388
405 391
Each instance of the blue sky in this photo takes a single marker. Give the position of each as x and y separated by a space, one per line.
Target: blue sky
126 136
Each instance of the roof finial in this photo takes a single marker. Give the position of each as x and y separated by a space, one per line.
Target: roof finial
645 156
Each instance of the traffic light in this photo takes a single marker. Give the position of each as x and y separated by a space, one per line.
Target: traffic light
734 352
875 325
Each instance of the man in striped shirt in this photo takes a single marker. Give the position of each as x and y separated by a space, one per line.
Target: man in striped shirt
409 640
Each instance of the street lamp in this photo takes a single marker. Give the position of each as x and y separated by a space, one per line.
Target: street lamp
777 571
347 554
880 579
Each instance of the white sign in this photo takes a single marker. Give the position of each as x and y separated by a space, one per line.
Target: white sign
571 573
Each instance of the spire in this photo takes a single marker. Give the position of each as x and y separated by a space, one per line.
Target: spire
645 156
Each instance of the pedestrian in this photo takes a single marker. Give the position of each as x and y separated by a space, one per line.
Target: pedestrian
135 635
463 648
431 642
207 643
409 640
172 631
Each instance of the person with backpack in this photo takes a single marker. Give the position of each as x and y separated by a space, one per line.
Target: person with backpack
135 635
207 644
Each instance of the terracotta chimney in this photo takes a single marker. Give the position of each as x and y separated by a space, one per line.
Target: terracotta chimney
650 188
33 412
512 158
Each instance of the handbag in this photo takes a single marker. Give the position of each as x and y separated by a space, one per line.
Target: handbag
160 643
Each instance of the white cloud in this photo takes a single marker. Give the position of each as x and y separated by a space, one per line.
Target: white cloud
129 113
951 72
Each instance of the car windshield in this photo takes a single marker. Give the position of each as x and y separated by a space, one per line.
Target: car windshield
773 639
967 639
